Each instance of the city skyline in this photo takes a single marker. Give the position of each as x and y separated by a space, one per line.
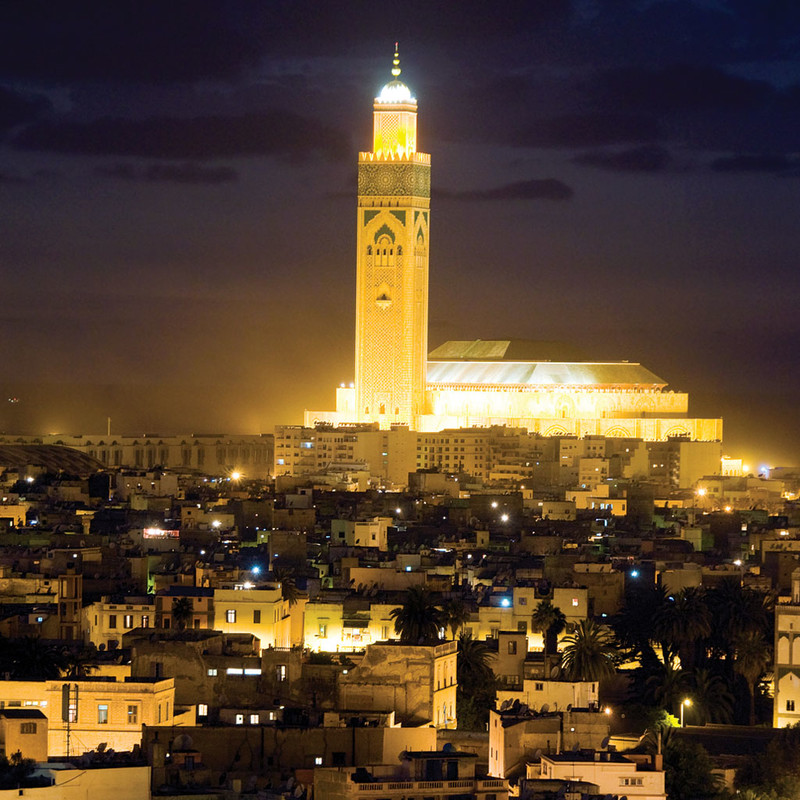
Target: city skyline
177 197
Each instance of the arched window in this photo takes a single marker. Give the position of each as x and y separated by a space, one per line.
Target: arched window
383 408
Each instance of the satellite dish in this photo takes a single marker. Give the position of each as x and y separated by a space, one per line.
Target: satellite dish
537 756
569 706
448 748
605 742
554 672
576 747
545 708
515 706
182 742
504 705
523 709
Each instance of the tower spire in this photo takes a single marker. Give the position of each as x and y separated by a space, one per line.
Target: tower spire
396 62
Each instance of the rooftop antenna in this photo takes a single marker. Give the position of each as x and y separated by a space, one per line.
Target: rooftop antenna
396 62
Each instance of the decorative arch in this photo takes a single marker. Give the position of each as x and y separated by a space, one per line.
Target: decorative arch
618 432
556 430
783 650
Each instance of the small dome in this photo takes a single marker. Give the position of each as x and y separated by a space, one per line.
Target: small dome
395 92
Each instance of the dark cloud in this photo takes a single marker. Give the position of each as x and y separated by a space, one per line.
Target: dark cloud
277 133
768 162
587 130
535 189
12 180
127 40
648 158
683 87
187 172
17 108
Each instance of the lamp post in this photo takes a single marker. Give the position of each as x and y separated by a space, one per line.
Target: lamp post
684 703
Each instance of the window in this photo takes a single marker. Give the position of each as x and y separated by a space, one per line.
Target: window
280 673
127 621
254 719
27 727
202 710
318 761
257 616
212 672
112 620
538 687
512 648
523 601
240 719
790 705
574 601
102 714
72 714
230 615
522 627
323 630
145 620
133 715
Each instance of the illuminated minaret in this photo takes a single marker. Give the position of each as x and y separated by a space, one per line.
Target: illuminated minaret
394 183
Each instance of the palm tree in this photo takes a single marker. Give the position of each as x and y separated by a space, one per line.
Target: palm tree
289 591
182 612
684 622
752 656
474 663
633 626
712 700
456 615
549 620
32 658
588 653
667 686
419 618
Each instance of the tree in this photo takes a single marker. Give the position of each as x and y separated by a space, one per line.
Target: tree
666 686
712 700
633 626
683 623
588 653
456 615
688 771
419 618
549 620
289 591
31 658
476 683
752 654
182 612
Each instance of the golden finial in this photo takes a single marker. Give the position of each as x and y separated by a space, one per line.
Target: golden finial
396 62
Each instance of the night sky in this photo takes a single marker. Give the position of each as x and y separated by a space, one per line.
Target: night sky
177 199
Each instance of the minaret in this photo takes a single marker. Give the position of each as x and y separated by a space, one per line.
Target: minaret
394 183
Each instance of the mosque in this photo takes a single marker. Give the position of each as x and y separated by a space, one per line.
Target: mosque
465 384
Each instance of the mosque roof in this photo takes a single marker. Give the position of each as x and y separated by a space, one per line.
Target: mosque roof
512 362
52 457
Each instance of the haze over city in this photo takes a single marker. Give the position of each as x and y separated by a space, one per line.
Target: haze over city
177 188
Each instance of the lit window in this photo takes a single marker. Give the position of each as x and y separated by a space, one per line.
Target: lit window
240 719
202 710
102 714
318 761
127 620
212 672
133 715
254 719
280 672
790 705
574 601
145 621
230 615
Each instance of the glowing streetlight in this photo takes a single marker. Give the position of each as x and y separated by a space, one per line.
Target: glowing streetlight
236 475
607 711
216 523
494 503
685 703
504 517
701 492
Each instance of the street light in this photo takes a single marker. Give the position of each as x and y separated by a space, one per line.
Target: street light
684 704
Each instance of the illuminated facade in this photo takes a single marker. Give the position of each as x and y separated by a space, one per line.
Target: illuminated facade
466 384
392 264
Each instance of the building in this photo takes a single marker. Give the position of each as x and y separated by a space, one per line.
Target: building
541 386
786 708
417 682
84 713
434 775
